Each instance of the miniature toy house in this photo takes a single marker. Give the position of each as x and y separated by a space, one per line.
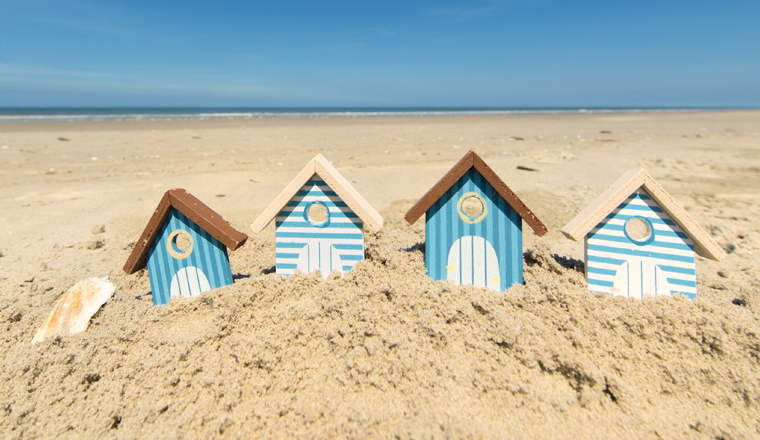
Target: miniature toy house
639 241
473 227
184 246
319 218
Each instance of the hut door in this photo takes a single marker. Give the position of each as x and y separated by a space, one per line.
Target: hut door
319 255
472 260
189 281
638 277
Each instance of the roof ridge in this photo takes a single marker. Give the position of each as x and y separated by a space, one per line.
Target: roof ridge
620 190
469 160
192 208
320 166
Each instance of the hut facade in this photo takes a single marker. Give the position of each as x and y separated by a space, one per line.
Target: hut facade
639 241
319 220
184 246
473 227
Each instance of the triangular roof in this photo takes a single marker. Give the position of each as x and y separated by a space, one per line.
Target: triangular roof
472 160
321 167
629 182
193 209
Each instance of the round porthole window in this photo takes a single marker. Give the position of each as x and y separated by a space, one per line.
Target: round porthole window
179 244
472 208
639 230
317 214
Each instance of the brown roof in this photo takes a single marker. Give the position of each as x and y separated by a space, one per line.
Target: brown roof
629 182
470 160
193 209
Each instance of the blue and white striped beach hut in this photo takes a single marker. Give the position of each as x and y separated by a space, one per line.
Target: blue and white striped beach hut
319 220
473 227
639 241
184 247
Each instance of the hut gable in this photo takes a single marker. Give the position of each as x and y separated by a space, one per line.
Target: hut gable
334 242
481 246
639 241
184 246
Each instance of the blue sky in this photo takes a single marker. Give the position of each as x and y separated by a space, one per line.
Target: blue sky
517 53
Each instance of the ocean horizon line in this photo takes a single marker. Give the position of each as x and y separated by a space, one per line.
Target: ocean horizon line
87 114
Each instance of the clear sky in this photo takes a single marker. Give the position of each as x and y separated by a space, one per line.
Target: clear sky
535 53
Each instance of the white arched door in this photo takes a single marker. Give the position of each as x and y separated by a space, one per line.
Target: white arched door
322 256
189 281
472 260
638 277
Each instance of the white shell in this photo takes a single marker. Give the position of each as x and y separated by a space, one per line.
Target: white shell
73 311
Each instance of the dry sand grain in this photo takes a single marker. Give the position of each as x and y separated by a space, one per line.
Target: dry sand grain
383 351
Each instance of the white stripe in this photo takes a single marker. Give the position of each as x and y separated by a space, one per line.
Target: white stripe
645 214
302 208
652 247
657 226
662 261
351 263
466 259
682 289
673 287
192 279
306 241
640 202
299 218
321 198
608 266
602 289
479 261
670 275
296 251
323 232
184 288
316 188
661 238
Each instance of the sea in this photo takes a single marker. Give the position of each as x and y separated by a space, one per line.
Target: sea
211 113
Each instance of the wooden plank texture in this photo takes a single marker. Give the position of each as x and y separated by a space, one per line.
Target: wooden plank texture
195 210
321 167
626 185
470 160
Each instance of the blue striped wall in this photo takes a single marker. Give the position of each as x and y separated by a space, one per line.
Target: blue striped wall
208 255
294 232
502 228
671 251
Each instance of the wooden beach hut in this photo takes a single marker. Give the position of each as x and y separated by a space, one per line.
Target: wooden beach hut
473 227
319 218
639 241
184 246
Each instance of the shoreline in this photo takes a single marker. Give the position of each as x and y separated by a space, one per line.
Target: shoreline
11 126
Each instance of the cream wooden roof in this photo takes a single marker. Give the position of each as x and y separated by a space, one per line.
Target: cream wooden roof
629 182
321 167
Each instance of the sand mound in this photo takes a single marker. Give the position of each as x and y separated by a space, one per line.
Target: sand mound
386 351
383 351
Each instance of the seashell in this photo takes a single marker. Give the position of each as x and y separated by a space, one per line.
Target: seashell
73 311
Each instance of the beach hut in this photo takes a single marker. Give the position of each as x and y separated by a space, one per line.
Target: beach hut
319 218
473 227
184 246
639 241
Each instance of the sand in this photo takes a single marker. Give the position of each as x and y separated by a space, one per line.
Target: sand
383 351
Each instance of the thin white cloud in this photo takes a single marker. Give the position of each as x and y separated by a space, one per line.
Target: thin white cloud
469 12
44 77
379 32
98 25
41 71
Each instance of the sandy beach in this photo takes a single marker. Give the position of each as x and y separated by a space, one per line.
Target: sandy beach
383 351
